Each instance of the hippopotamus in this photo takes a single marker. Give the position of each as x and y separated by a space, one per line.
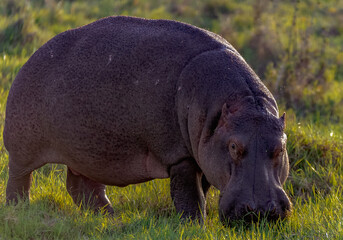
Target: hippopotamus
125 100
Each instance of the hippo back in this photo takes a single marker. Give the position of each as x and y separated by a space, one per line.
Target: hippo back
105 86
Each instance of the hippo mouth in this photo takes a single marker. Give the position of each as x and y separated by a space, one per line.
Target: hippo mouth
248 212
248 216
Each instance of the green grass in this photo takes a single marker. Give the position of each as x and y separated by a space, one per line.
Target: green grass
145 211
296 49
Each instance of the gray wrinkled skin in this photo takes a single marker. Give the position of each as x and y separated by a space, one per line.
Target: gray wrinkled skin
126 100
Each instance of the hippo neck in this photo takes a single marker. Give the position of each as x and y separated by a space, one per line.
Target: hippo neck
206 83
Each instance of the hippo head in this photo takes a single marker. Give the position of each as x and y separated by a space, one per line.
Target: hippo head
245 157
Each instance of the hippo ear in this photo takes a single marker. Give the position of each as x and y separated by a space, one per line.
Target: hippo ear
227 112
283 120
224 115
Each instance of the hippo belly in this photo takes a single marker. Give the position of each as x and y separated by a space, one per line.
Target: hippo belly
119 169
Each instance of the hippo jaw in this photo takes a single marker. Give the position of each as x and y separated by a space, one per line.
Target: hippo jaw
246 159
236 204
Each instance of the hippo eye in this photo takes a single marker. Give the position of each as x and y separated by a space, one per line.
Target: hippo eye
278 152
233 149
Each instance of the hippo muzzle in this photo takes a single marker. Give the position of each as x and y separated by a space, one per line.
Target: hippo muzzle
236 204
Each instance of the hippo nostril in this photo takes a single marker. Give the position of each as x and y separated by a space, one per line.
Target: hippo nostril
286 205
272 211
271 206
250 207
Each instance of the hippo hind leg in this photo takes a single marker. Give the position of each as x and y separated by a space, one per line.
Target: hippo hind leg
19 180
87 193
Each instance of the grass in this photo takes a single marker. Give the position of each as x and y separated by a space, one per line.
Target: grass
51 215
294 46
145 211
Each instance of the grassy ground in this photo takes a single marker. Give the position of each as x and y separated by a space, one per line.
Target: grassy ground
296 49
145 211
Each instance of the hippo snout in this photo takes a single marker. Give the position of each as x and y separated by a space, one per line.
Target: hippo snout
238 208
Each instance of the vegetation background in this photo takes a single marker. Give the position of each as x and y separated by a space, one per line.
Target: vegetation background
296 47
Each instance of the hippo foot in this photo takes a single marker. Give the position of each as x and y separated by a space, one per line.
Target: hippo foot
18 188
19 181
186 188
88 193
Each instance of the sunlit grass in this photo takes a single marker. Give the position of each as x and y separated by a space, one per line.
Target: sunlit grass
52 215
146 211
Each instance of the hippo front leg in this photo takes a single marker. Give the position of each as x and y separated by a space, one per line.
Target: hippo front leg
187 190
